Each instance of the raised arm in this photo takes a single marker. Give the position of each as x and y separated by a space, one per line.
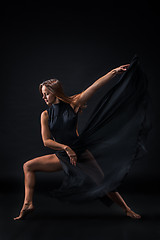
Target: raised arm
87 94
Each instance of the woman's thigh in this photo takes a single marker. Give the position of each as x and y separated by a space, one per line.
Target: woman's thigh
47 163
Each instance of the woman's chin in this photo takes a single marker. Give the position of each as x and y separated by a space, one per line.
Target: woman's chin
49 104
46 102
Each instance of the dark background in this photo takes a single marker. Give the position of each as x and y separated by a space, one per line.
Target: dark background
76 43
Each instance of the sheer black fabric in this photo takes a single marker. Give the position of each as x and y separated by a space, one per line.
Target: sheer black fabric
112 140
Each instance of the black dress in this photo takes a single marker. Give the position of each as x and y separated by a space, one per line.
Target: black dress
113 139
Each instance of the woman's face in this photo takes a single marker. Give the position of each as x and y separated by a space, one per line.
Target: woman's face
48 97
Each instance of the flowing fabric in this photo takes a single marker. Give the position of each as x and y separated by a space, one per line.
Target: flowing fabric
114 137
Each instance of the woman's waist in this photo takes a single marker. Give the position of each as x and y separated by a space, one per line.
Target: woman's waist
67 139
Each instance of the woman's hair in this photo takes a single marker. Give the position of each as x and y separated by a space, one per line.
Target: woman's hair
55 87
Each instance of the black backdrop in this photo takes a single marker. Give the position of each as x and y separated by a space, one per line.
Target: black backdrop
76 44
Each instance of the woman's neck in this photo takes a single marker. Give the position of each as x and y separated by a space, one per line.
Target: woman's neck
56 101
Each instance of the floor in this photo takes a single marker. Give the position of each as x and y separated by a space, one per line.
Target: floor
56 220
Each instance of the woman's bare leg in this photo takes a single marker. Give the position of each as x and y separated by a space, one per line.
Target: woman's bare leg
98 177
116 197
29 185
48 163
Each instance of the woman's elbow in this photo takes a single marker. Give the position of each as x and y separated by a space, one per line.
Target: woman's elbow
45 143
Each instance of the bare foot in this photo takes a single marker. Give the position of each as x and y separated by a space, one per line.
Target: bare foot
26 209
132 214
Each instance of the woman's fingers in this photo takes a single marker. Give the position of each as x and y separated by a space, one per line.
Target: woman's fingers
122 68
72 155
126 65
73 159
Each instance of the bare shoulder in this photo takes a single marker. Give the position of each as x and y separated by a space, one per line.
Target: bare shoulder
44 115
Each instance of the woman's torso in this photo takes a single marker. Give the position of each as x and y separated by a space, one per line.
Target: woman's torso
62 123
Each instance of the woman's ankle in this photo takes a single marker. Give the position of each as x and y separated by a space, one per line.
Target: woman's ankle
27 203
126 209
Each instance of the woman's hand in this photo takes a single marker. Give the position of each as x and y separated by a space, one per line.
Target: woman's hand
121 69
72 155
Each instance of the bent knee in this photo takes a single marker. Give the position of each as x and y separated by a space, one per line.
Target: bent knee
27 166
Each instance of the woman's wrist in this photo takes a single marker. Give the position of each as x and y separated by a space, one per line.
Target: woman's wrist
114 72
65 147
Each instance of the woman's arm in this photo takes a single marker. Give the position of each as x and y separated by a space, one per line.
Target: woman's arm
50 143
87 94
46 135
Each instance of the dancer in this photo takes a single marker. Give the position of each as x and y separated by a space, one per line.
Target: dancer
86 177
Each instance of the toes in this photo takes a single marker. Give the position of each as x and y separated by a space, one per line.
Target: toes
23 213
17 218
136 216
133 215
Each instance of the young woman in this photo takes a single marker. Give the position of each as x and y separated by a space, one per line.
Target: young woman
86 176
